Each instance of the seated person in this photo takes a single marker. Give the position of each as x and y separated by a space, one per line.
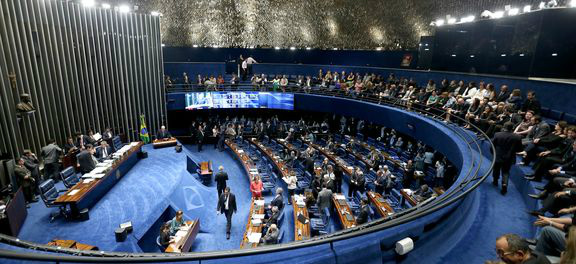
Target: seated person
86 160
271 236
176 223
551 240
104 151
165 238
70 146
163 133
272 218
513 249
423 193
364 212
278 200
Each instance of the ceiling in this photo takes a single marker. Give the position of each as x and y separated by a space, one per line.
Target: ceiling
347 24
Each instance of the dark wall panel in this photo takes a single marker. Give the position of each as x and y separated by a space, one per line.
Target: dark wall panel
84 68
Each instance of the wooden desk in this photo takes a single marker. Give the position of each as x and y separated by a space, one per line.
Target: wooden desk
287 145
72 244
301 231
87 194
206 172
439 190
331 156
166 142
408 198
14 215
281 165
386 155
184 239
383 208
250 228
69 160
343 210
247 163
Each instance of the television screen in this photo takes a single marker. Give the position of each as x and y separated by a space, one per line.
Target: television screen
209 100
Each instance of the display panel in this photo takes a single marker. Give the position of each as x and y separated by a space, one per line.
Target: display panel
209 100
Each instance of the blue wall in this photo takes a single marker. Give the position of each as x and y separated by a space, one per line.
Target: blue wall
553 95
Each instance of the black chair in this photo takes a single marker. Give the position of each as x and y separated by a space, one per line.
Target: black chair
49 194
69 177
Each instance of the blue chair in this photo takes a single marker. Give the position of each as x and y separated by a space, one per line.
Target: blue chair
49 194
280 218
69 177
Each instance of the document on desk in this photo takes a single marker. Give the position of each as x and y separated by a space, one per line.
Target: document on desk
240 151
73 192
254 237
259 202
98 176
88 180
258 216
340 197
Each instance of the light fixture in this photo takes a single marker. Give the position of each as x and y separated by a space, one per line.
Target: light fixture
513 11
521 55
502 55
106 6
426 44
498 14
195 46
542 5
527 8
426 49
308 48
453 55
251 47
439 22
124 9
452 20
163 45
154 13
380 48
276 48
335 49
292 48
554 54
215 46
467 19
471 56
572 3
88 3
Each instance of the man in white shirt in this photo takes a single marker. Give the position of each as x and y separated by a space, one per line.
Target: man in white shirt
250 61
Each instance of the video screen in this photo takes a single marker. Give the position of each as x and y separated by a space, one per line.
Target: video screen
211 100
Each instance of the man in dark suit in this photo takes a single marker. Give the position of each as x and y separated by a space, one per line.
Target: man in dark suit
220 179
25 180
278 200
531 103
540 129
51 156
86 160
506 143
81 140
32 163
364 212
227 206
503 94
104 151
163 133
200 137
324 199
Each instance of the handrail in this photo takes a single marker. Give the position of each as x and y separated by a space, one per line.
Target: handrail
471 180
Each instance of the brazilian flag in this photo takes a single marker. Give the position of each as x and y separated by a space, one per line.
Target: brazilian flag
144 131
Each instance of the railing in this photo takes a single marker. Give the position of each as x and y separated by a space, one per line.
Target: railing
463 186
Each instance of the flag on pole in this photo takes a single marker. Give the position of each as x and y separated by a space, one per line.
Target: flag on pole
143 130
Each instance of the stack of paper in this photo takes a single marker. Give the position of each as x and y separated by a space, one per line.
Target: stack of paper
134 144
73 192
258 216
254 237
240 151
88 180
339 196
256 222
259 202
407 191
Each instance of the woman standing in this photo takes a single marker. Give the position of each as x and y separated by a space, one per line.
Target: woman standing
292 183
256 187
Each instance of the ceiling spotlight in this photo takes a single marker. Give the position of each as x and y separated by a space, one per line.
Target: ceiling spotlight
88 3
195 46
572 3
521 55
453 55
308 48
276 48
471 56
251 47
513 11
502 55
292 48
498 14
163 45
527 9
439 22
554 54
106 6
380 48
124 9
215 46
426 49
335 49
452 20
542 5
154 13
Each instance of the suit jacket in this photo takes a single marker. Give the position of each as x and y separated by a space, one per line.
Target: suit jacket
162 134
21 172
220 179
271 237
363 215
540 130
85 140
278 201
569 161
51 153
324 199
199 135
501 97
273 218
506 145
100 152
231 203
86 162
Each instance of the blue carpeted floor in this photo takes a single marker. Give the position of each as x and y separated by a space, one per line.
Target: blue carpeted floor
162 182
